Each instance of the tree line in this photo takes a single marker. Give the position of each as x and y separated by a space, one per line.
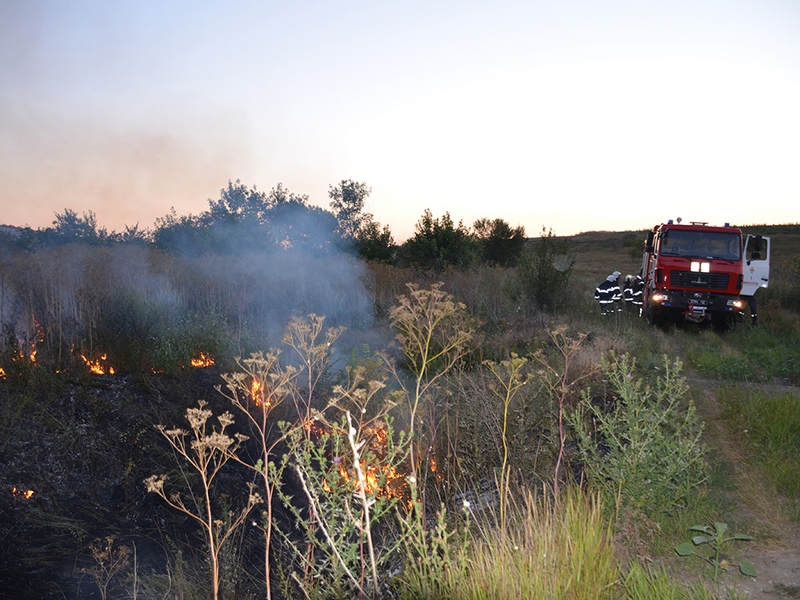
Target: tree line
248 219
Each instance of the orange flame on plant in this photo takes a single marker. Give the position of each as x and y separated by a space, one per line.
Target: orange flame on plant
202 360
17 493
99 366
394 481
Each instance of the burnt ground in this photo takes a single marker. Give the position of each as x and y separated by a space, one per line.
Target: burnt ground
81 448
757 510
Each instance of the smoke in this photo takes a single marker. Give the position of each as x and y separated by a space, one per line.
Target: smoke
125 174
147 308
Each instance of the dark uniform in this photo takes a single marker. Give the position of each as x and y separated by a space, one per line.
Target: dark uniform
627 291
637 287
608 294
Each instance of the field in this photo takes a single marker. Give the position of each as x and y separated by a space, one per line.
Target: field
448 439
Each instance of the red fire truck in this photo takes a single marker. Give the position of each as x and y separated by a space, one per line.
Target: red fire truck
698 273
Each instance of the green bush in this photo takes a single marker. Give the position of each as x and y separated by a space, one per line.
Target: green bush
645 451
545 270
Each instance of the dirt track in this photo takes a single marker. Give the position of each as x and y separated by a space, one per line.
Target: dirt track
776 550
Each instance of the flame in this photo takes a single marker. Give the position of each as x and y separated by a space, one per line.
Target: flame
2 373
99 366
17 493
394 485
202 360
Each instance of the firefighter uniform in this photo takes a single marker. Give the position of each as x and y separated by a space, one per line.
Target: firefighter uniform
608 294
637 292
627 291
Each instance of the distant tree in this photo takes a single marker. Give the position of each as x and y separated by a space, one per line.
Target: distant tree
70 228
545 270
299 227
133 235
438 244
376 243
500 243
186 234
237 203
247 220
347 204
281 195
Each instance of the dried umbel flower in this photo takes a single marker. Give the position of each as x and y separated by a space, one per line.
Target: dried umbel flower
197 417
155 484
225 419
213 441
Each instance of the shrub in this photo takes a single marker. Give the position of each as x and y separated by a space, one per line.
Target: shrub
646 450
546 269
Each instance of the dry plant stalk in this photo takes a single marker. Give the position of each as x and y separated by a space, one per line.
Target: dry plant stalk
561 386
434 333
110 561
509 381
257 391
207 451
302 335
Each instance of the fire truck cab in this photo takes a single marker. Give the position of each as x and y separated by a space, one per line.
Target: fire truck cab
698 273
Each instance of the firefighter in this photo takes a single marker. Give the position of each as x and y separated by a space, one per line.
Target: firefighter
608 294
627 291
751 302
637 287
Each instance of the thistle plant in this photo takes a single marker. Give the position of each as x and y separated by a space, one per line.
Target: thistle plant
716 537
207 450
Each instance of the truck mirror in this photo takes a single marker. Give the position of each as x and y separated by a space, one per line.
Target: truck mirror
758 242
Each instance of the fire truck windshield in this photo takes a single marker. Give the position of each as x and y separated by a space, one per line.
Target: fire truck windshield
701 244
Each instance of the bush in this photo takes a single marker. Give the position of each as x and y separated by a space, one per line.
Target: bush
645 451
546 269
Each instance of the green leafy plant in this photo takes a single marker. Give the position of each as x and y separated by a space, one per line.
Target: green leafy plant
646 450
546 269
716 537
351 472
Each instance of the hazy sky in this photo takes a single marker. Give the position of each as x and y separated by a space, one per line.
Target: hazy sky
578 116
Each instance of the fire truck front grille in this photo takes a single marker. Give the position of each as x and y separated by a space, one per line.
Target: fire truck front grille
706 281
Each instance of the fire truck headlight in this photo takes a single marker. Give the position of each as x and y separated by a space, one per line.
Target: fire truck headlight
659 297
738 303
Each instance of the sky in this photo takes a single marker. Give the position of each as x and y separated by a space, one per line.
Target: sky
573 116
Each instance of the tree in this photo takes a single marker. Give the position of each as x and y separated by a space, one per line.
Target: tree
438 244
70 228
500 243
374 243
245 219
347 203
546 268
237 203
281 195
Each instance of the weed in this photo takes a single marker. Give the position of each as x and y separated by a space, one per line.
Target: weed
716 537
207 452
110 561
646 450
